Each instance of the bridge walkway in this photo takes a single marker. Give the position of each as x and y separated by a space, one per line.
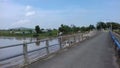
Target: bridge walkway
96 52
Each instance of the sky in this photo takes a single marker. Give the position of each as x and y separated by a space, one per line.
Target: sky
53 13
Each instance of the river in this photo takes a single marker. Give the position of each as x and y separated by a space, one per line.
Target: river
11 51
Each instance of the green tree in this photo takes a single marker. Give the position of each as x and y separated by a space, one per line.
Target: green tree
64 29
37 29
83 29
91 27
114 25
101 25
74 28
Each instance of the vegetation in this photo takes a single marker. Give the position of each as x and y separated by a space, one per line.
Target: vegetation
37 29
91 27
109 25
102 25
64 29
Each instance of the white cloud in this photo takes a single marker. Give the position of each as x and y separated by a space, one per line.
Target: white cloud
28 7
30 13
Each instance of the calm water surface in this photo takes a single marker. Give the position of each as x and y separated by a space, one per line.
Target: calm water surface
8 41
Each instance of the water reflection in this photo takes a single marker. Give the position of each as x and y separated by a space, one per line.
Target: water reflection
18 38
31 39
6 41
38 41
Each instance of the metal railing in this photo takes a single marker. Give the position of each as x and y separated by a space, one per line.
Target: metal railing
116 42
63 42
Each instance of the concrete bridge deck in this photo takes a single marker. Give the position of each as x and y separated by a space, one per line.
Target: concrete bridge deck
96 52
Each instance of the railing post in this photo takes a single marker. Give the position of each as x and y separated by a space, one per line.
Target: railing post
74 39
69 41
60 42
79 37
47 46
25 53
86 35
82 36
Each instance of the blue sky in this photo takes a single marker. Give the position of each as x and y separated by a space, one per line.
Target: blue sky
53 13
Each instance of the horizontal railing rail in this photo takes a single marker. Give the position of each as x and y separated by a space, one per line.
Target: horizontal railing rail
116 44
27 52
21 44
115 40
63 42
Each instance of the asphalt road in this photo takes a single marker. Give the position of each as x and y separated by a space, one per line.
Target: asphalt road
96 52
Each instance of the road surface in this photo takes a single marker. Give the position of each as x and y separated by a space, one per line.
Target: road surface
96 52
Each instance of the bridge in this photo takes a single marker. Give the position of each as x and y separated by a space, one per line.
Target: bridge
97 49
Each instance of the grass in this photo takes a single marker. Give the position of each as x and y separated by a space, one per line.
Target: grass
53 33
41 35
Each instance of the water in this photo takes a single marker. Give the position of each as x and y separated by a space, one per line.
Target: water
8 41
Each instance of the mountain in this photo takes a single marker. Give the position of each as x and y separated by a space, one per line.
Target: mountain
21 28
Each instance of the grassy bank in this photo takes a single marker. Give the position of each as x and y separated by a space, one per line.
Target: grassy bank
41 35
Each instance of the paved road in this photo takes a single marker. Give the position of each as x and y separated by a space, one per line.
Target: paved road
94 53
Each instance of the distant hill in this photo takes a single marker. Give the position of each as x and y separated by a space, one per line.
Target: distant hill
21 28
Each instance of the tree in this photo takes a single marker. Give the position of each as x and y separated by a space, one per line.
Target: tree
101 25
64 29
91 27
37 29
114 25
74 28
83 29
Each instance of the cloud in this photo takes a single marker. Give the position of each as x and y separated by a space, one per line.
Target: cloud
28 7
30 13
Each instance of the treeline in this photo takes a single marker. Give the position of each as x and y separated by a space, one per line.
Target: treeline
66 29
106 25
63 29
